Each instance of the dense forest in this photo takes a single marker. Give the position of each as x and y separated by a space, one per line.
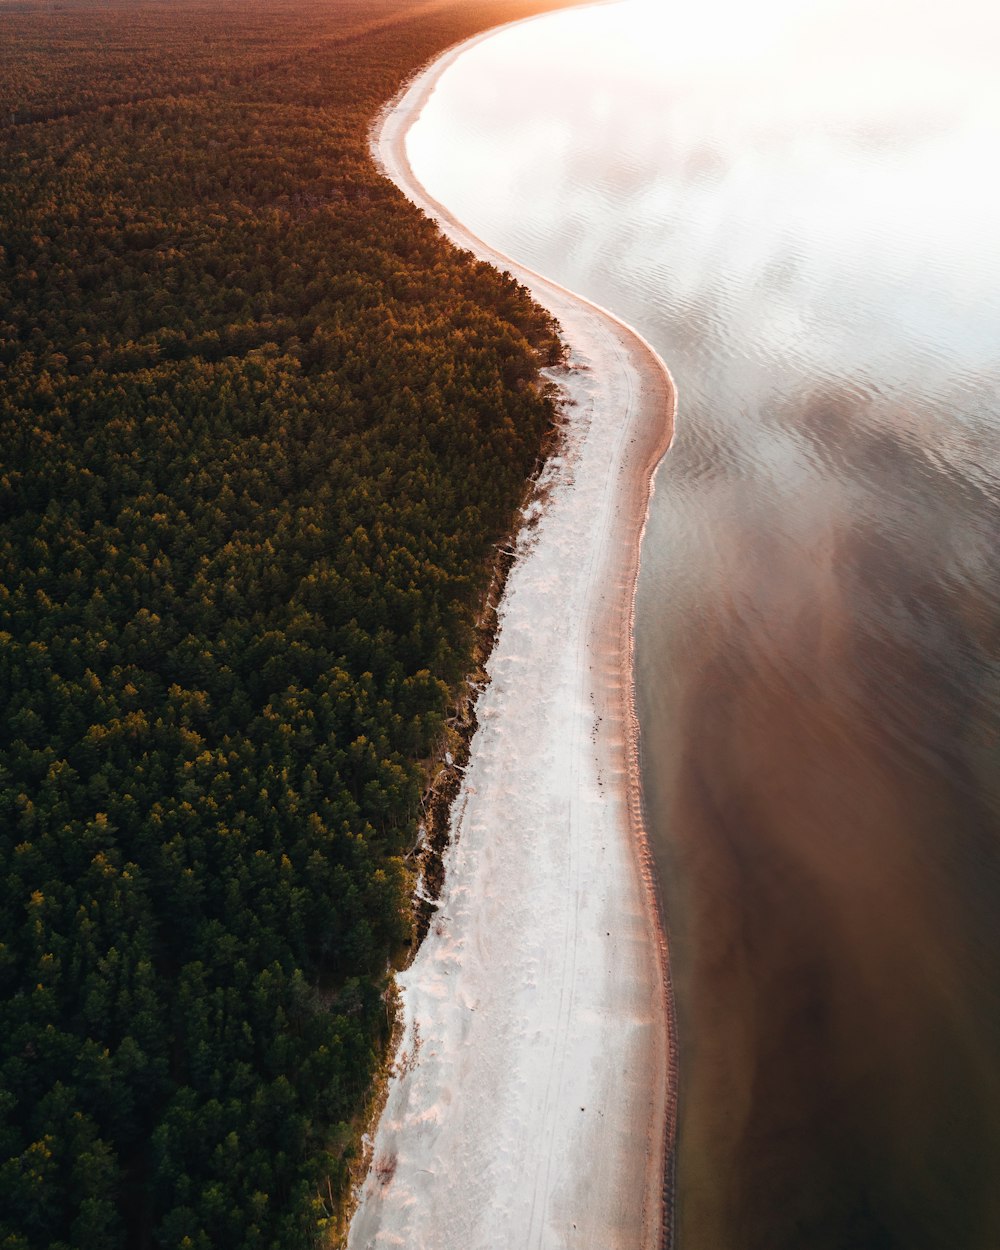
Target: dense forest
260 431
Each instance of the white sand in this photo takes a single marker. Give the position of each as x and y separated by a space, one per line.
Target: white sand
531 1104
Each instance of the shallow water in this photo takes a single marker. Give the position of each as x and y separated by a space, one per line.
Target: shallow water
797 205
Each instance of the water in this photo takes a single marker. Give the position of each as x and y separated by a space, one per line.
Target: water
797 204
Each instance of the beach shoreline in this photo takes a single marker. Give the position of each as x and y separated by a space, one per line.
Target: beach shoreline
485 1138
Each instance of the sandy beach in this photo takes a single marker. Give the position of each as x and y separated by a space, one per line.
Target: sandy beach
531 1103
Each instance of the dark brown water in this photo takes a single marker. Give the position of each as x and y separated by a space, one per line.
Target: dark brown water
799 206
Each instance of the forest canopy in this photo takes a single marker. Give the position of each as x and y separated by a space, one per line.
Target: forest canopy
260 430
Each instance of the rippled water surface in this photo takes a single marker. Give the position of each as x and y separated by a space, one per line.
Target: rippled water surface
798 204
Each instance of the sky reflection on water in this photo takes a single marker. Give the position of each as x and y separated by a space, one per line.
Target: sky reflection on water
797 204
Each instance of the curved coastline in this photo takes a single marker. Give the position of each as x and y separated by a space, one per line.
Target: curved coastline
525 1039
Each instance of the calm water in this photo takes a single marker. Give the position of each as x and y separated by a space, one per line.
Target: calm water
798 203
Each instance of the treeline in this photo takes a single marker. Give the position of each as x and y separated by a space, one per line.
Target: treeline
259 431
62 57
